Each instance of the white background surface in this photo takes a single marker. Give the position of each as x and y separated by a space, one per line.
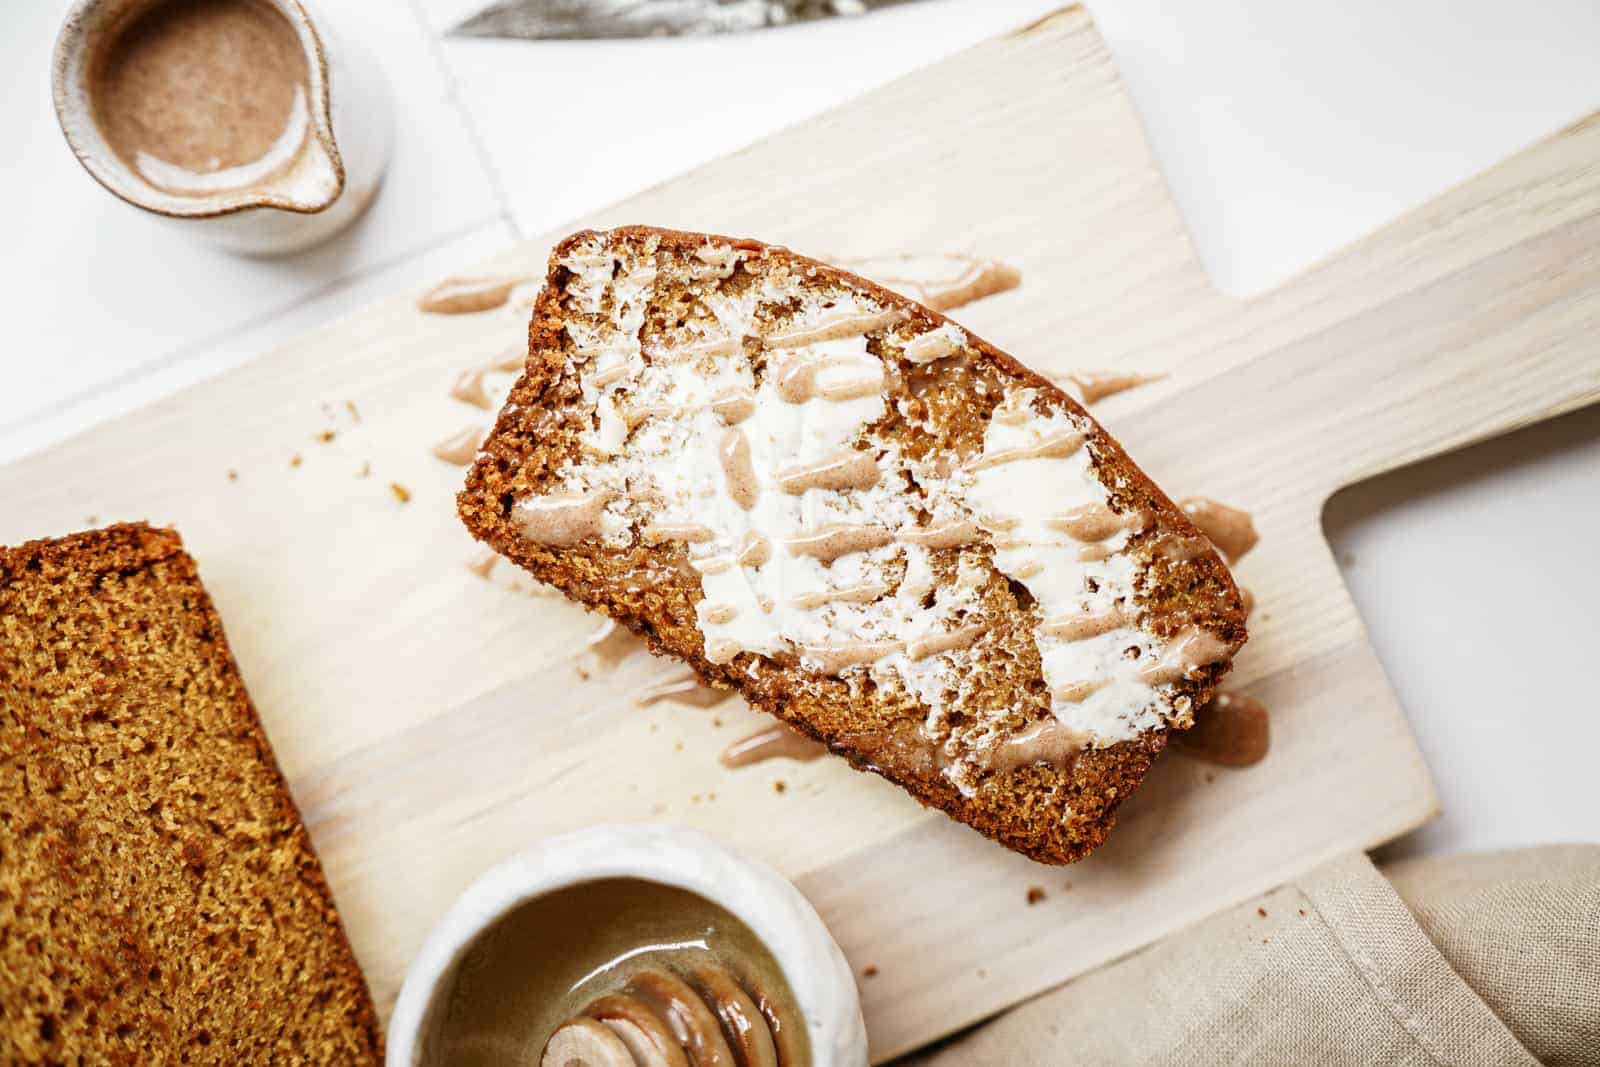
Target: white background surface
1287 129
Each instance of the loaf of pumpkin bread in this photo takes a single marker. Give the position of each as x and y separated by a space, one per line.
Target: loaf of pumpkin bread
159 899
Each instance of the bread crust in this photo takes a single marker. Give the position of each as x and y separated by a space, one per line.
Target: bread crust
162 900
1051 813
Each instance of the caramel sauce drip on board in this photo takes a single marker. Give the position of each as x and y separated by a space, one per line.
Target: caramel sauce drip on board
460 447
511 358
985 277
1230 529
466 296
974 279
681 686
773 742
1232 730
607 647
1096 385
470 387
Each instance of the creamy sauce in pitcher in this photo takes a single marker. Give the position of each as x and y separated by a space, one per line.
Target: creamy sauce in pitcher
201 97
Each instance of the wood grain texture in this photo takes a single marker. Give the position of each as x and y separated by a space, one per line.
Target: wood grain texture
431 724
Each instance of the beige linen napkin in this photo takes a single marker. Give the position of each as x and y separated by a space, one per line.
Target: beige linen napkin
1483 959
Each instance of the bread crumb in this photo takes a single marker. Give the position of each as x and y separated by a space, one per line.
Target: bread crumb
295 460
983 972
350 406
233 476
869 971
1035 894
401 493
326 436
1261 912
365 471
780 786
1302 912
678 746
716 721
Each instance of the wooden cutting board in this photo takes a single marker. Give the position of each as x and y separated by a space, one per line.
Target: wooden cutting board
431 723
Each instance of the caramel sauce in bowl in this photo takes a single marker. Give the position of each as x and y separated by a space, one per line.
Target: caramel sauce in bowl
652 939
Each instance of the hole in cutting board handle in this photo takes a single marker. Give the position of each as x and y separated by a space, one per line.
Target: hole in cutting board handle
1476 574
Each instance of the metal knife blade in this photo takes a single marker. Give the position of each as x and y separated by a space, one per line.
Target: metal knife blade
582 20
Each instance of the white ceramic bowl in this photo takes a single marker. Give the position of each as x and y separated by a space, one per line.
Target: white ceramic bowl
774 910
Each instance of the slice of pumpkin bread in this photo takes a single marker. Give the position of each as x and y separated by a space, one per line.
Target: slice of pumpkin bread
866 520
159 899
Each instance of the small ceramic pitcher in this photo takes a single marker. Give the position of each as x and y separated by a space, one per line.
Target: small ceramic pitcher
327 183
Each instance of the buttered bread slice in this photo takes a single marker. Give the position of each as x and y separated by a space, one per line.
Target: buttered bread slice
863 518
